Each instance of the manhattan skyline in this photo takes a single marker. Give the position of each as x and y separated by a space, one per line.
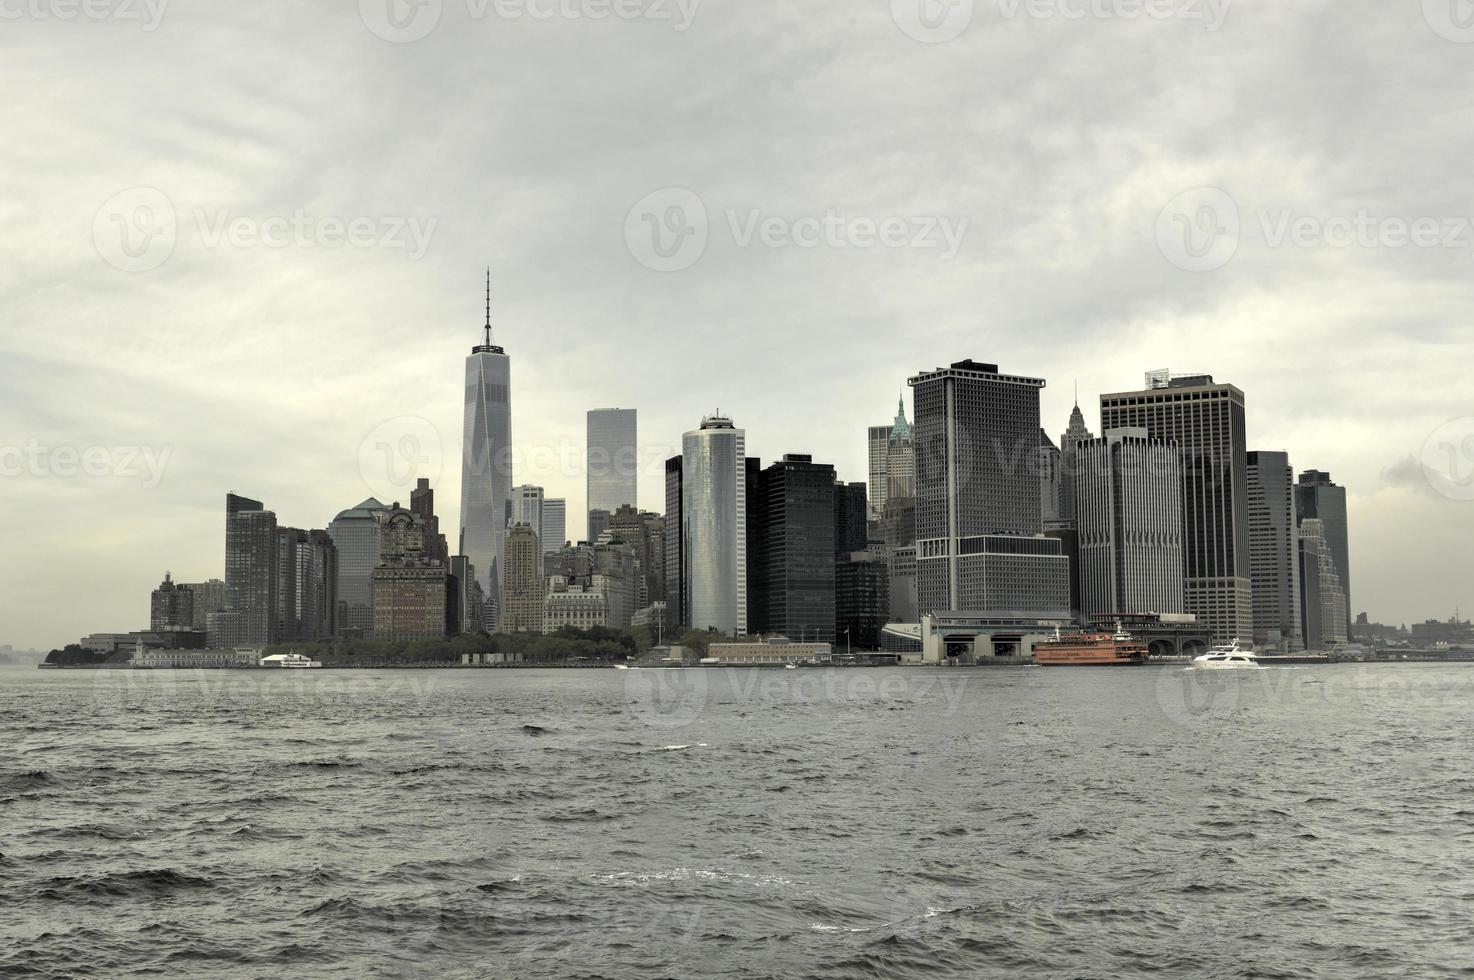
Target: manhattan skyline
265 370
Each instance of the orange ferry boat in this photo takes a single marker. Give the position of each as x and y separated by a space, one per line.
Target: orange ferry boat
1090 650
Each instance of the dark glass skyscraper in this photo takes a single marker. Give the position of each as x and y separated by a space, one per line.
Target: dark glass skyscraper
793 512
1274 552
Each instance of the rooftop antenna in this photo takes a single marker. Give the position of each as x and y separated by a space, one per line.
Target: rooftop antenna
488 306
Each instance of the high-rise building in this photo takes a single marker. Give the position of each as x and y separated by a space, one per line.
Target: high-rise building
714 525
554 533
250 567
463 608
599 519
422 502
357 534
898 540
171 606
1049 479
851 519
209 596
1128 515
614 574
613 463
1076 433
410 591
979 542
1206 420
861 601
524 584
1274 552
1317 496
645 533
486 462
1322 601
527 508
792 550
892 461
676 609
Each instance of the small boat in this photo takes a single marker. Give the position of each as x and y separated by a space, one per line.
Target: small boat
790 666
621 666
1090 649
289 661
1227 657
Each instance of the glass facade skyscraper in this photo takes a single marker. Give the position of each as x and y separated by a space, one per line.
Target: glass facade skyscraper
612 463
1318 497
250 567
714 525
486 463
357 534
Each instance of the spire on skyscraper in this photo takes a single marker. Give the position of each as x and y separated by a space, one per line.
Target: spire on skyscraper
488 346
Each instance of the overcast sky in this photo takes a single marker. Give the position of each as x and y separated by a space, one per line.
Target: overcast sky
1082 190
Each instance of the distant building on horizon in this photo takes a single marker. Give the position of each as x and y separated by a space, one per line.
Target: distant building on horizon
1206 420
612 464
554 532
527 508
171 606
891 460
486 463
208 596
1274 552
410 590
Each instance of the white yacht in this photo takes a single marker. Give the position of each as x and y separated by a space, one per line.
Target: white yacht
290 661
1227 657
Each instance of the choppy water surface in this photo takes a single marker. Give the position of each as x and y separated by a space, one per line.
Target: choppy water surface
1311 822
